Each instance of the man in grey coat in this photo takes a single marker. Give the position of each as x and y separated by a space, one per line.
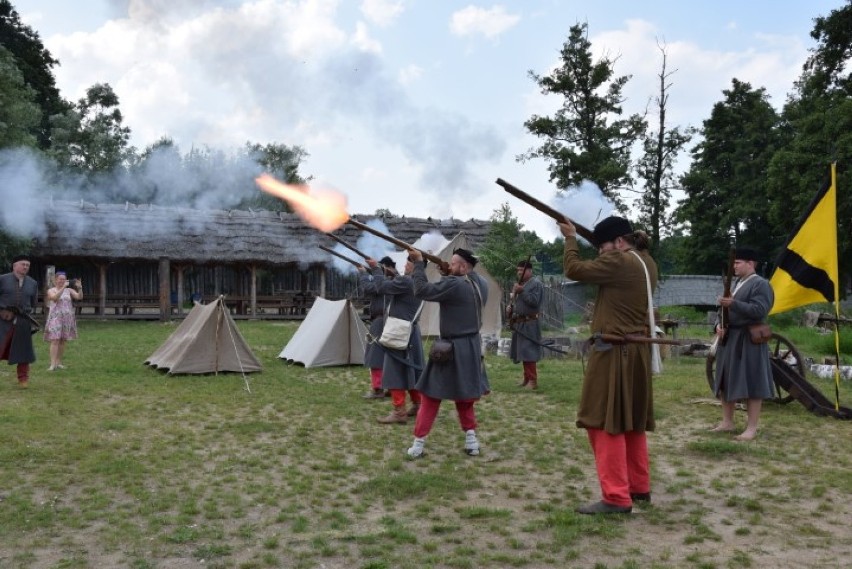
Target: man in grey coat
374 355
460 295
402 368
742 368
18 297
523 314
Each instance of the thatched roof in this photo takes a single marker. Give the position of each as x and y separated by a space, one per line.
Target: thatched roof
147 232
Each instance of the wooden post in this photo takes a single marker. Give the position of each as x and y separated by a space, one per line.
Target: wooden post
253 292
180 298
165 291
102 288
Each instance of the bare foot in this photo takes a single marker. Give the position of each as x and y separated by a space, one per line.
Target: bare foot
722 428
746 435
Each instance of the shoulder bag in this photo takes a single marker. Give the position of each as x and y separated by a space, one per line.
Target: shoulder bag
396 333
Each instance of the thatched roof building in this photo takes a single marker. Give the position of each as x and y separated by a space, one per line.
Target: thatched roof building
125 250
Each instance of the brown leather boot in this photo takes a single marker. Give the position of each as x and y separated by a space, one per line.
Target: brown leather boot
533 384
397 416
412 412
523 383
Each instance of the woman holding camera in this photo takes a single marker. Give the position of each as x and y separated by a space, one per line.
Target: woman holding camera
61 324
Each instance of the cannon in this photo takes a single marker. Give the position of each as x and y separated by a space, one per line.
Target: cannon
788 375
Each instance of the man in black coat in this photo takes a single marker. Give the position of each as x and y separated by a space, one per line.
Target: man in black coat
18 297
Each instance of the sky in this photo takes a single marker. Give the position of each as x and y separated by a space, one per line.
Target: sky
414 106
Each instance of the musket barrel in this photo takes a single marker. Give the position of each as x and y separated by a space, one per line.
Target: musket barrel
348 246
582 231
344 257
399 243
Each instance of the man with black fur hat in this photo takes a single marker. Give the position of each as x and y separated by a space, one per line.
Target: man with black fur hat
616 404
18 296
460 295
374 355
527 295
742 368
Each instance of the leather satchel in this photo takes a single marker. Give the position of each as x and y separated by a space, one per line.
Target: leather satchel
441 351
759 333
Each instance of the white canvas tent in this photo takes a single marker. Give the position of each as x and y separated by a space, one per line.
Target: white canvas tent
492 316
207 341
331 334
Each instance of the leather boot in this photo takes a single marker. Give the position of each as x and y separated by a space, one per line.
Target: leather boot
533 384
524 383
412 412
397 416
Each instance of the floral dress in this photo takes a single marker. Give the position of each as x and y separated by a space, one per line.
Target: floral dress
61 320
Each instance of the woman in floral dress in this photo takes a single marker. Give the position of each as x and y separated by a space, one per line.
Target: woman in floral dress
61 323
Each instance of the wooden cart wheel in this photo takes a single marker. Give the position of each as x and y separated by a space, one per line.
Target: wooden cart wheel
780 349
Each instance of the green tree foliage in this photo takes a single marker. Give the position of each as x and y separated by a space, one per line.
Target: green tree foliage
818 120
36 66
726 190
282 162
655 168
90 137
19 113
582 141
507 243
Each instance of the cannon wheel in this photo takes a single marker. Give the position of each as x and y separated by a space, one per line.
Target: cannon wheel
781 349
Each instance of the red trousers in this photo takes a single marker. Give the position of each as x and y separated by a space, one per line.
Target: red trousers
398 397
376 377
530 372
429 410
622 465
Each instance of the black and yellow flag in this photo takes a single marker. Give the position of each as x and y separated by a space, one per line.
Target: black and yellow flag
806 271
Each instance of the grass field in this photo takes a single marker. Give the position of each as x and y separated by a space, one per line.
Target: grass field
110 463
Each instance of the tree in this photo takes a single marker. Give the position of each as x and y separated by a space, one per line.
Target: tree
726 192
818 119
656 167
90 137
585 140
506 243
279 160
19 113
36 67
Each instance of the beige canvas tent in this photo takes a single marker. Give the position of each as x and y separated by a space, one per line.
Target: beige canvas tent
331 334
492 316
207 341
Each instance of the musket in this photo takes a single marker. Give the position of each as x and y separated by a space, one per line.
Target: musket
618 339
439 262
348 246
35 326
344 257
582 230
511 308
725 313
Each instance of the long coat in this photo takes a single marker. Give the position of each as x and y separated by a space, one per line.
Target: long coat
617 393
402 368
460 314
374 355
742 369
24 298
526 334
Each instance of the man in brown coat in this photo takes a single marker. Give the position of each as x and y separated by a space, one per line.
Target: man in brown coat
616 405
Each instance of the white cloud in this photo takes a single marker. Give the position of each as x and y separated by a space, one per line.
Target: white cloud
410 73
487 22
382 12
363 41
